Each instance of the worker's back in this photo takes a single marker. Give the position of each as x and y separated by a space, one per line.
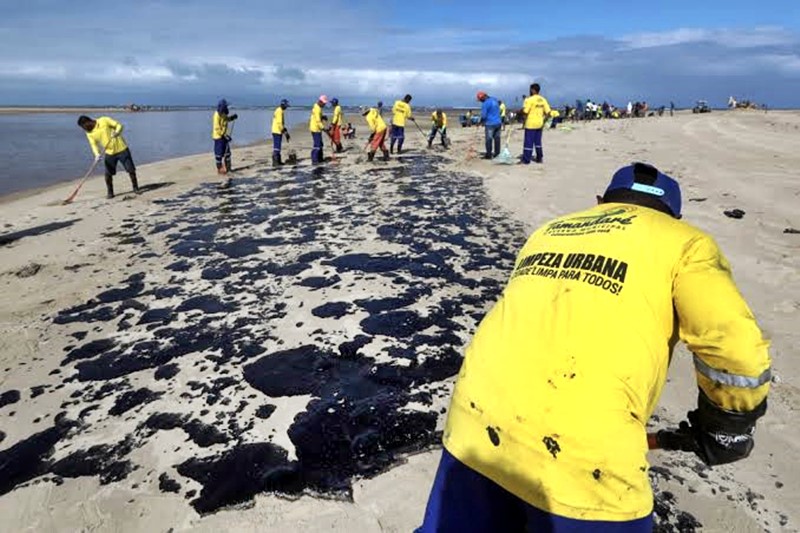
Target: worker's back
564 372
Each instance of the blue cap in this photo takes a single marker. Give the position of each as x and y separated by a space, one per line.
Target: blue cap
335 101
380 104
285 102
648 179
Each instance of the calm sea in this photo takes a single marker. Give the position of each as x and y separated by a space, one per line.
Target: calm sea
44 148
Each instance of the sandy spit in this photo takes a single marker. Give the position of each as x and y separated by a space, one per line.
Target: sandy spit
276 263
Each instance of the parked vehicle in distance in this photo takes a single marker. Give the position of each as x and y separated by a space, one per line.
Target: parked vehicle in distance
701 107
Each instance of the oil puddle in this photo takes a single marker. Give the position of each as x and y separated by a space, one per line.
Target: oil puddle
294 333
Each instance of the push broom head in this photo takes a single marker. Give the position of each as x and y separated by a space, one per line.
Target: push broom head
504 157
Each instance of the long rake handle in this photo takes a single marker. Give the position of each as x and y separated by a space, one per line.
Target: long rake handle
96 161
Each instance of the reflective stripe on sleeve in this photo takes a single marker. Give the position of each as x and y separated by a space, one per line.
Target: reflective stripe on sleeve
733 380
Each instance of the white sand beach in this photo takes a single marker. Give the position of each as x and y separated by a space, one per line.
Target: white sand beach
136 333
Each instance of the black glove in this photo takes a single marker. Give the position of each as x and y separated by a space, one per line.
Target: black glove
233 117
721 436
228 138
681 439
288 137
371 136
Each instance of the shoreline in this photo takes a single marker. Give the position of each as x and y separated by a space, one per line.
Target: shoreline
44 189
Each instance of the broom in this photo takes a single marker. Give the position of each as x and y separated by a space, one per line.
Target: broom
505 157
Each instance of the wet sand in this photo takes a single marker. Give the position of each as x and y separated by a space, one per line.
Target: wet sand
279 355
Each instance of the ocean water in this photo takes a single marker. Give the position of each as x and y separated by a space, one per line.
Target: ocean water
44 148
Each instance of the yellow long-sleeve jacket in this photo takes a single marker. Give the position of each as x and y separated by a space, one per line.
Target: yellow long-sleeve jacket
565 370
337 116
101 136
400 112
219 125
439 123
315 124
277 121
375 121
502 109
536 109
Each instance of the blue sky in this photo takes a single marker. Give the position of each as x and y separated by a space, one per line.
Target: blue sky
441 51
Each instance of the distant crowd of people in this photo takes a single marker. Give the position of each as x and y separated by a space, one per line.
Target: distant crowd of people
589 110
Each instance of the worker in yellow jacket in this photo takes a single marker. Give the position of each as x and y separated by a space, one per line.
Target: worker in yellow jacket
336 125
105 133
536 110
316 127
503 110
401 111
377 128
221 134
278 131
438 125
547 423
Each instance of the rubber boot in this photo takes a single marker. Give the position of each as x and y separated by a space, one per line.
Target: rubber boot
430 143
109 187
276 160
539 155
339 148
385 155
370 156
135 183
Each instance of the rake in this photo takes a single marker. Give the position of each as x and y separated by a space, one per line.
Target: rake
72 196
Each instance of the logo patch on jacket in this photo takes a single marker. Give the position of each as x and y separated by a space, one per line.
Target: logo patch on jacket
604 222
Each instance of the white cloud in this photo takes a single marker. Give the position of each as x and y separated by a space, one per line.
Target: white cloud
731 38
666 38
179 53
41 71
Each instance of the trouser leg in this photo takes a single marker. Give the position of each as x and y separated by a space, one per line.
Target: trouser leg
127 162
496 138
527 147
109 186
382 145
316 151
110 163
537 143
463 500
220 149
336 137
488 136
277 140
